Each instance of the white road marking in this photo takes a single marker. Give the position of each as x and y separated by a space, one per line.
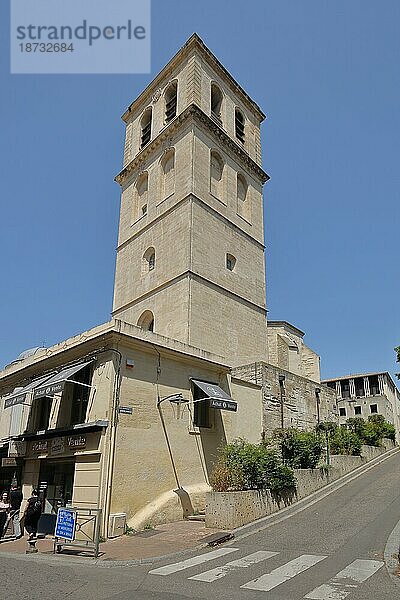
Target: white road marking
346 581
241 563
192 562
281 574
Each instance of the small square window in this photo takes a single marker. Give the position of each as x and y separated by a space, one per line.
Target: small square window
144 209
342 412
373 408
357 410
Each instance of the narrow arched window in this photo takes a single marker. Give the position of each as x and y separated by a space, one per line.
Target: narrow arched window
230 262
149 260
243 199
168 173
216 102
146 321
216 174
239 125
171 96
140 196
145 125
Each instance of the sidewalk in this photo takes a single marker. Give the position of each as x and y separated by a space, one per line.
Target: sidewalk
162 540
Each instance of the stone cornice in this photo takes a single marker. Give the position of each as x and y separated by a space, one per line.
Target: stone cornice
197 115
193 43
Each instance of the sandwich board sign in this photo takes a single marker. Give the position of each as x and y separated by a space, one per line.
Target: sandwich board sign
65 524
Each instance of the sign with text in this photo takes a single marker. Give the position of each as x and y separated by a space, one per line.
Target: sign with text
125 410
65 524
8 462
14 400
223 404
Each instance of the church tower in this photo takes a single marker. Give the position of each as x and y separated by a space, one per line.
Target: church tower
190 255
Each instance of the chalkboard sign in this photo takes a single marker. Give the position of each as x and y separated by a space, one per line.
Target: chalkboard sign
66 523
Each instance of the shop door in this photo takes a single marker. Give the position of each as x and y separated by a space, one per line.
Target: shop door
56 481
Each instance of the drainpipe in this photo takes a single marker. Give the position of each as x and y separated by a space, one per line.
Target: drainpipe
113 435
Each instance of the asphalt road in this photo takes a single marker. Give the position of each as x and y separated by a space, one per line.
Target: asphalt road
332 550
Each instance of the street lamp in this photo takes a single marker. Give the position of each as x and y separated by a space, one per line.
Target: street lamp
317 393
173 399
282 379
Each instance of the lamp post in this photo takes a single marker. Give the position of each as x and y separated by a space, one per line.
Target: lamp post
281 379
174 399
317 393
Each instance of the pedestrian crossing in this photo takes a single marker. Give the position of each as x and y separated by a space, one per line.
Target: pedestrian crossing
338 587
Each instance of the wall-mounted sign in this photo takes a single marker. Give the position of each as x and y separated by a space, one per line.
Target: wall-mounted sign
40 446
16 449
76 441
8 402
57 446
49 390
8 462
125 410
223 404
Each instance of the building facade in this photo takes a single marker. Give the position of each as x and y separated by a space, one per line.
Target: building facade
367 394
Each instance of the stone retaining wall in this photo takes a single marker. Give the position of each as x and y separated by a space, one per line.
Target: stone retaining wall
229 510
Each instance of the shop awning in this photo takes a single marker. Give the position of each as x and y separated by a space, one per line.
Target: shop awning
19 397
218 398
56 384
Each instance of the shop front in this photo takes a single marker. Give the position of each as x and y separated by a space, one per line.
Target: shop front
65 467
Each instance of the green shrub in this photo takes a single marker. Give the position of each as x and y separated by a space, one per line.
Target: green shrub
245 466
344 441
300 449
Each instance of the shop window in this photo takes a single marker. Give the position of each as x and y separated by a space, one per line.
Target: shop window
357 410
145 127
171 95
374 409
201 412
216 102
239 125
342 412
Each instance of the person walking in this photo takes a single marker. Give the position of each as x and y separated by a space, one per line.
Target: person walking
15 502
32 513
4 511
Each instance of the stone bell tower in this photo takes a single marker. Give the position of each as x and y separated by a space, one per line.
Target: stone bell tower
190 256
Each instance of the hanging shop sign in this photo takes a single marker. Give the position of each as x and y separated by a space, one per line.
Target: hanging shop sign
223 404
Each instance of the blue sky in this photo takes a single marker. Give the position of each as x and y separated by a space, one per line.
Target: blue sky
327 75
